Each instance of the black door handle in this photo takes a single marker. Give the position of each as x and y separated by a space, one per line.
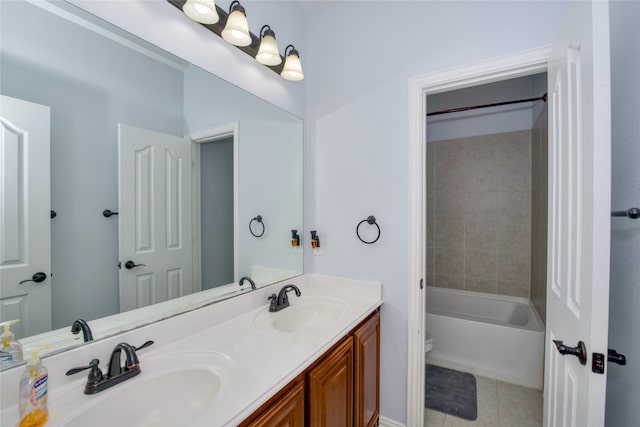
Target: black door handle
38 277
614 357
130 264
580 351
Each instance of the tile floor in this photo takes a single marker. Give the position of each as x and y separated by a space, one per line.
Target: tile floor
500 404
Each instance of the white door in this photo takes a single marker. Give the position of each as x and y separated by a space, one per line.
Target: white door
154 233
579 217
25 220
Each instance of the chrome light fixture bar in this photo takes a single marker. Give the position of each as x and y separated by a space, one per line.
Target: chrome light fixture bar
255 47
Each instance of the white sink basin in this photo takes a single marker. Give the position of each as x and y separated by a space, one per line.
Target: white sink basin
304 314
170 391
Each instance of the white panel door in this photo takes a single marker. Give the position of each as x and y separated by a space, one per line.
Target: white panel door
579 217
154 233
25 220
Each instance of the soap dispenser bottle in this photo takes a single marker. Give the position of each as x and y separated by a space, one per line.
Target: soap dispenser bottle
11 351
34 388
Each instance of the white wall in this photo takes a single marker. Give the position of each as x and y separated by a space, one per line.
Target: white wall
623 393
357 157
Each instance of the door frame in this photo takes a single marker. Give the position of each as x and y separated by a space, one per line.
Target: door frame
501 68
218 133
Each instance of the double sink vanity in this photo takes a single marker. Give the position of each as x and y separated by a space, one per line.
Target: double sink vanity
314 362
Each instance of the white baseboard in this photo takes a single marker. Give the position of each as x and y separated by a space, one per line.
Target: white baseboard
386 422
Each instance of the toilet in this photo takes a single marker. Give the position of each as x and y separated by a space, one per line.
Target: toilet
428 343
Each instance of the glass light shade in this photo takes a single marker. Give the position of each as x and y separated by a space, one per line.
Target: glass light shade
203 11
292 67
268 53
236 31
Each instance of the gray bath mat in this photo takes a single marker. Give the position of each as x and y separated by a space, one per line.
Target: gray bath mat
451 392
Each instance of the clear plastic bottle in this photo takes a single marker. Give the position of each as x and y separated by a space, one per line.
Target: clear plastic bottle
34 390
11 351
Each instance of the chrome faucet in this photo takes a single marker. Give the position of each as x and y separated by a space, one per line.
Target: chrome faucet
97 381
282 300
81 325
248 279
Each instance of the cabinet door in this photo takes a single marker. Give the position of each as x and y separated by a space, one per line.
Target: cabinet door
287 411
331 389
367 370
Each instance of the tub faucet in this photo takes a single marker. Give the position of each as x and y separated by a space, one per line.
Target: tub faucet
282 300
81 325
248 279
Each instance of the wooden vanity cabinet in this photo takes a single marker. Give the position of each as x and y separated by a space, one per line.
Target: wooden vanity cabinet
331 388
366 340
286 409
342 388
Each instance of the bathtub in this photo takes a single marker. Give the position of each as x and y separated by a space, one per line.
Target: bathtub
491 335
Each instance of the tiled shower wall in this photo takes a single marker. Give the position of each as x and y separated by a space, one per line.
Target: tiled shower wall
539 156
479 213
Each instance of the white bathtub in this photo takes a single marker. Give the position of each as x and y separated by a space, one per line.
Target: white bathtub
495 336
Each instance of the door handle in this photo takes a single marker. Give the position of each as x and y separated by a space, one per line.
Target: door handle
130 264
38 277
614 357
580 351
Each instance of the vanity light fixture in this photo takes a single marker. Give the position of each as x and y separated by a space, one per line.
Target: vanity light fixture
233 28
268 53
236 31
292 67
202 11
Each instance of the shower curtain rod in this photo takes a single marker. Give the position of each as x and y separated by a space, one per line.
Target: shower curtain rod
497 104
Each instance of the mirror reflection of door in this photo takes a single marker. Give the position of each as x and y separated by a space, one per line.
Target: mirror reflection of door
25 219
155 231
217 212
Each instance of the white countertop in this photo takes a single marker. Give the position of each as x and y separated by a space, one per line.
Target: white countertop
257 360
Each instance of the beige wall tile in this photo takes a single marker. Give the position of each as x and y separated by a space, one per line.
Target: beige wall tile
514 236
514 266
449 261
449 233
449 205
481 234
480 263
481 285
513 146
514 176
449 165
514 289
449 281
513 205
481 205
480 165
431 260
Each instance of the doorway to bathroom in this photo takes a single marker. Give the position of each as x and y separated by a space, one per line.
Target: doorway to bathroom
486 220
579 211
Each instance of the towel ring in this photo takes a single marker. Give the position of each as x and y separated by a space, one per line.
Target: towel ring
371 220
258 219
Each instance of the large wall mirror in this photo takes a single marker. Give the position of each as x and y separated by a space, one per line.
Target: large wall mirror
203 180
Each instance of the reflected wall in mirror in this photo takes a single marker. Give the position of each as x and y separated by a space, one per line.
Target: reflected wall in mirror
115 105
